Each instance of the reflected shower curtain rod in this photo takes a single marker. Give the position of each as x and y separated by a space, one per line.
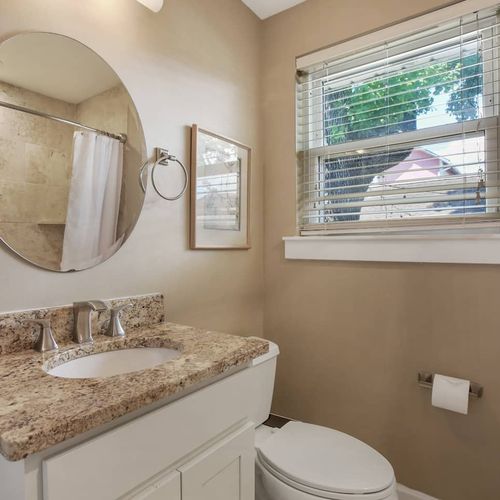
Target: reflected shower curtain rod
121 137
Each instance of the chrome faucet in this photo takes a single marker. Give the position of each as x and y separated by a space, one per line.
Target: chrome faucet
82 330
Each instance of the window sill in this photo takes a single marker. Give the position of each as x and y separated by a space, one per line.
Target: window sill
467 248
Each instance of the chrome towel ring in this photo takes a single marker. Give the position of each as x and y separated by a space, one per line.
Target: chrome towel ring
162 158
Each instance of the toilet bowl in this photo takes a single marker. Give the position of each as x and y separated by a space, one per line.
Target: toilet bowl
309 462
306 462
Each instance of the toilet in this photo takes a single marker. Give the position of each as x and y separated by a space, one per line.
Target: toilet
303 461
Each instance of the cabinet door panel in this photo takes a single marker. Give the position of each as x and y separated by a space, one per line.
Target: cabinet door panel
223 472
166 488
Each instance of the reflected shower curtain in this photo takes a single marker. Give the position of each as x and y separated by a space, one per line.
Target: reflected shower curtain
94 201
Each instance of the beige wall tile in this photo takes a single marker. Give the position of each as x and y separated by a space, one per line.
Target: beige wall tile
11 160
105 111
12 202
47 166
35 151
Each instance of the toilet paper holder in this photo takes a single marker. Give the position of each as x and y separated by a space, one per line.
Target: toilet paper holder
426 379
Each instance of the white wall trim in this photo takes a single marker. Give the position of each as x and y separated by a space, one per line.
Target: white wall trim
448 249
411 25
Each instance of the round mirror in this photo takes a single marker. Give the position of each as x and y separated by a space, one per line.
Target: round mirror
71 149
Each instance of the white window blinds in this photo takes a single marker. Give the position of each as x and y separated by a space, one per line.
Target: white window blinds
403 133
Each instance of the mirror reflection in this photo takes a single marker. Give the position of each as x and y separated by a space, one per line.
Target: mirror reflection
71 147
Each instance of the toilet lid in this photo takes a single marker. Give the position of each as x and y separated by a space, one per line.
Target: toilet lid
326 459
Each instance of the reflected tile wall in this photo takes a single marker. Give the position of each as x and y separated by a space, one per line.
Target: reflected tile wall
35 166
35 159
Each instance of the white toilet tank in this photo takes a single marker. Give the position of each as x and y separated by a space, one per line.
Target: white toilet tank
260 384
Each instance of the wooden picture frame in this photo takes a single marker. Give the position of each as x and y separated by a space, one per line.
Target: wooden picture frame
220 192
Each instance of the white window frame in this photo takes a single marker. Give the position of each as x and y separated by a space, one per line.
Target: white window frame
475 244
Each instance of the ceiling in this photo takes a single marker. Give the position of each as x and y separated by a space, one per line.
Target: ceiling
54 66
267 8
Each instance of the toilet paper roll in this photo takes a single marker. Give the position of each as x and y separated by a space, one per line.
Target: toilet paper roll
450 393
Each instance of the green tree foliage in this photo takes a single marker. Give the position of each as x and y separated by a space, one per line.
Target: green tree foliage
463 101
390 105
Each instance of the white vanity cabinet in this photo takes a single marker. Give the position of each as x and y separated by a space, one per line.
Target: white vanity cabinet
199 446
164 488
158 455
223 472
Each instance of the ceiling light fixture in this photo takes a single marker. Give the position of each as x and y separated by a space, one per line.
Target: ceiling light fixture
154 5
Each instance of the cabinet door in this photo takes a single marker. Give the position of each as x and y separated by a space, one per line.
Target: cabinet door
165 488
226 471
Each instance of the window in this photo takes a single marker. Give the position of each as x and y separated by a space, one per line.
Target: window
402 133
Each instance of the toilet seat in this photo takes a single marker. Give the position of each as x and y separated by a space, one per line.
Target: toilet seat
326 463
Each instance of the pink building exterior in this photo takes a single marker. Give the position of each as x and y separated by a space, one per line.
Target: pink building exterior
419 167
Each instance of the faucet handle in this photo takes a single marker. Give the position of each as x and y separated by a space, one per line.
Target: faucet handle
95 305
45 341
115 328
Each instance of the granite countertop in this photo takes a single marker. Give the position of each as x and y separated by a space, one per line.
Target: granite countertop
38 410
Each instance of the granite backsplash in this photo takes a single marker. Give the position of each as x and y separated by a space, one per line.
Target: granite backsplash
16 335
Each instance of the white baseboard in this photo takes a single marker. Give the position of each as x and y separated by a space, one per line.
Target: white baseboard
405 493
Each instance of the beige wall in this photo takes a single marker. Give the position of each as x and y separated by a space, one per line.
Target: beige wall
354 335
196 61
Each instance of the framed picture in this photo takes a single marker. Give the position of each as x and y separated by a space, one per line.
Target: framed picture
220 192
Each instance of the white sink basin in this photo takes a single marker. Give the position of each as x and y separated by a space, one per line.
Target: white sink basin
107 364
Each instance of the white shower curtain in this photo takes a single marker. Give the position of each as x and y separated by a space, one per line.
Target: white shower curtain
94 201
